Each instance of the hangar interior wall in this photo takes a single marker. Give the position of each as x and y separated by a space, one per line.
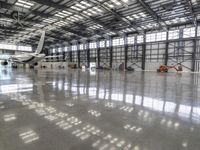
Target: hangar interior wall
177 48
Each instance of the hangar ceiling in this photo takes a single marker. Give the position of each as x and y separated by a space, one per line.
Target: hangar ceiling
67 20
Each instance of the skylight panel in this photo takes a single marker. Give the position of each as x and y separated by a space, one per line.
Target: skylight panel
76 8
94 27
63 14
194 2
86 3
127 30
92 11
142 14
50 20
78 16
61 23
110 33
5 19
39 25
81 6
75 18
116 2
87 13
97 9
125 1
24 3
109 5
136 16
176 20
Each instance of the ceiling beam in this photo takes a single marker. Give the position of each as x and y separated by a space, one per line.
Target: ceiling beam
117 15
152 13
63 7
25 20
194 17
17 9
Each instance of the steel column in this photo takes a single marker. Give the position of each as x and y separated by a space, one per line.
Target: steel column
144 51
195 49
70 52
111 51
167 48
88 54
98 53
78 55
125 51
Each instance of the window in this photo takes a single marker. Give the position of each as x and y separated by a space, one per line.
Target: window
93 45
151 37
65 48
53 50
140 39
59 49
161 36
188 32
198 31
121 41
117 42
24 48
107 43
102 44
173 34
131 40
15 47
74 47
81 46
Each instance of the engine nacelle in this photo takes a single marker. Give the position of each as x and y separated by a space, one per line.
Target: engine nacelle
5 63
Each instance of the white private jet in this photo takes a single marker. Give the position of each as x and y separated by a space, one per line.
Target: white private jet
30 58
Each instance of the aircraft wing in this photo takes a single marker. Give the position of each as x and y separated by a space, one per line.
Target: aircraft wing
3 57
55 56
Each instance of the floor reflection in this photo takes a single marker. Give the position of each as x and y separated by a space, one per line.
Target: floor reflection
109 110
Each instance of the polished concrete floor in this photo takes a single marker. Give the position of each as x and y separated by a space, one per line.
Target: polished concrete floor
75 110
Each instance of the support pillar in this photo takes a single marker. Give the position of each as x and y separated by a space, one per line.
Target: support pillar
144 51
78 55
88 54
195 49
167 48
125 52
111 51
98 53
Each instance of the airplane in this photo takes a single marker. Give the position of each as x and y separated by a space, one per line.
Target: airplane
30 58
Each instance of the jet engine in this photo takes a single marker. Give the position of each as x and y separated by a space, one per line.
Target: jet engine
4 63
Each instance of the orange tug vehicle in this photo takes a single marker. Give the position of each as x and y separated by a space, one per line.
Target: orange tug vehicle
164 68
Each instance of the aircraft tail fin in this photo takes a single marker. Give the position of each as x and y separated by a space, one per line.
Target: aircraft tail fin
40 44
